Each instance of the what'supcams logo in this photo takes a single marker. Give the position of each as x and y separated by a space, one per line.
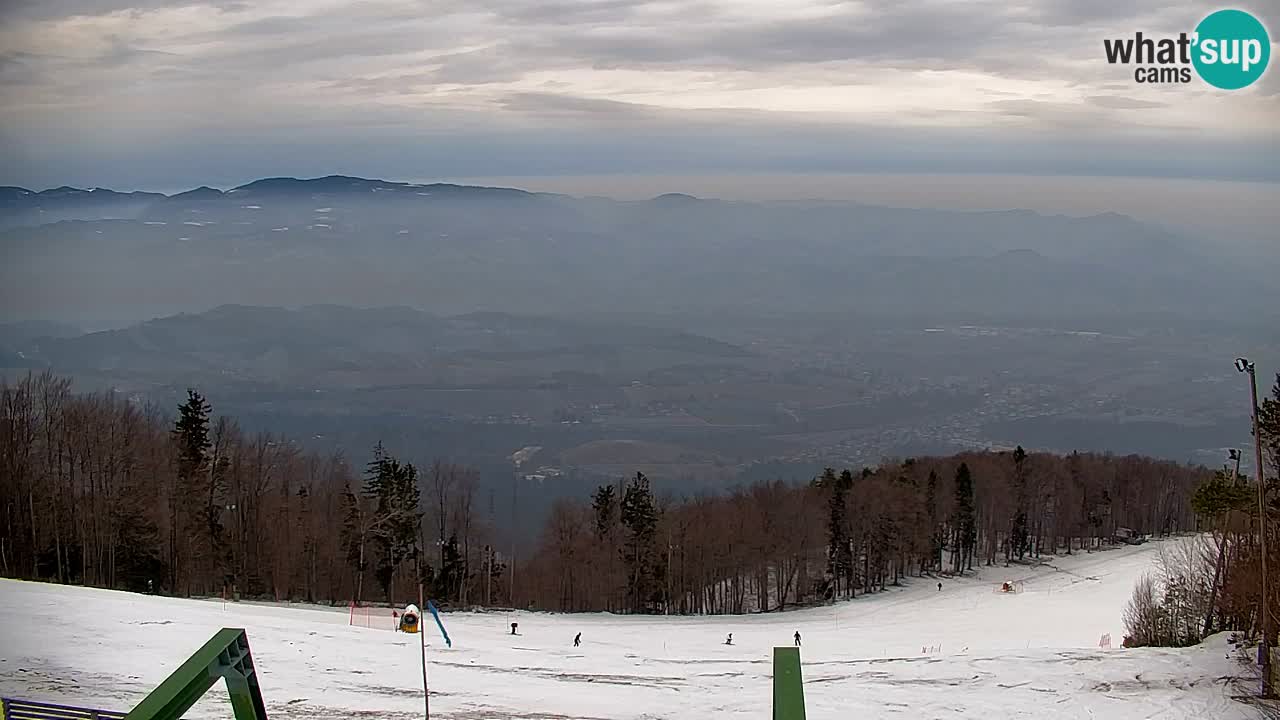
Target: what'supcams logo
1229 50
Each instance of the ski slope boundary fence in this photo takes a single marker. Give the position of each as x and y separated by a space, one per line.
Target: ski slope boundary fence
372 616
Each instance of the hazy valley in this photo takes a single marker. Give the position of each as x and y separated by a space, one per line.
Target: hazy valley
706 342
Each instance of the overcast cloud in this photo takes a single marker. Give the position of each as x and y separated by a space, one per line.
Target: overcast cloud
146 93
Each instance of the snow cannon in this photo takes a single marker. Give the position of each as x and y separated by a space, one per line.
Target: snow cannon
1010 587
411 619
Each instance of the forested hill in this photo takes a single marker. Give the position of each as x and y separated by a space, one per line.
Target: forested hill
102 492
770 545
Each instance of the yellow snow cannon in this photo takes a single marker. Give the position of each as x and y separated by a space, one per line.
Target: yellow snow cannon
411 620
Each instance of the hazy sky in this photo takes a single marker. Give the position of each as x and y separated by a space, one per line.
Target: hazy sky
161 94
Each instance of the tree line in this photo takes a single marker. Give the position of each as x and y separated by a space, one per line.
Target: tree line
98 490
771 545
101 491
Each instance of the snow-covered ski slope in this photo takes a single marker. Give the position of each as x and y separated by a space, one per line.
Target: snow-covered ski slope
1033 654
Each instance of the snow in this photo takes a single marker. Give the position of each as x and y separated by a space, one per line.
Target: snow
1032 654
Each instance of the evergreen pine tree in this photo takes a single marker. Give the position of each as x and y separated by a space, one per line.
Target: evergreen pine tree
965 523
605 505
839 555
191 435
931 511
1269 429
640 518
394 523
191 432
1019 534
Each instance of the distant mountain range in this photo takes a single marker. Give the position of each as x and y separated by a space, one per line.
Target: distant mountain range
353 346
99 257
22 207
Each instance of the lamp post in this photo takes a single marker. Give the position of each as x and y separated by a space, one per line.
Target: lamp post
511 590
670 551
236 558
488 576
1244 366
518 460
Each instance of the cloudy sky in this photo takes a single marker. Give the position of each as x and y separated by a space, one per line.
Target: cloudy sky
165 95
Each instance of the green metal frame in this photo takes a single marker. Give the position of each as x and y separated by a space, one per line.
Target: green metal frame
788 687
225 657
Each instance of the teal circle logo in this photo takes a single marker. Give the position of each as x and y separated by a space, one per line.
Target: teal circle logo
1231 49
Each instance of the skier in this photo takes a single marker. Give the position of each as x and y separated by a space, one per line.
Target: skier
577 640
729 640
939 587
797 638
513 628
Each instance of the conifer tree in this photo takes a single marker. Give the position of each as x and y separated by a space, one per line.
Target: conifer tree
964 522
396 519
640 518
191 435
1018 534
931 511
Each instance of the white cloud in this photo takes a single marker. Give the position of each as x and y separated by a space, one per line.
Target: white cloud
115 70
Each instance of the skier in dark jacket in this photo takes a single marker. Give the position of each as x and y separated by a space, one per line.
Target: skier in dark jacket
797 638
577 640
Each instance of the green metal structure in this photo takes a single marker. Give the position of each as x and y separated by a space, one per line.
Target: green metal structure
788 688
225 657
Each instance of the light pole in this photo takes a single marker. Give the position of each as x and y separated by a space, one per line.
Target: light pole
670 550
488 576
1264 649
511 590
235 552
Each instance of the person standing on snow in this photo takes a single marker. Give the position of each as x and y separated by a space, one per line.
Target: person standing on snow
577 640
797 638
729 640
